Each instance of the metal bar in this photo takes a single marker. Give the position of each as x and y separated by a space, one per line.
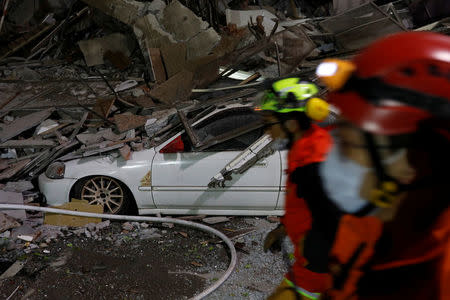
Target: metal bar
5 10
114 92
95 113
278 59
190 132
75 132
250 78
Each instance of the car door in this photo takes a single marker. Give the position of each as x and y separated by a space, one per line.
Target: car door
180 180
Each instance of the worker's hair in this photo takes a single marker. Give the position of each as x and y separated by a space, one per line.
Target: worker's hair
302 119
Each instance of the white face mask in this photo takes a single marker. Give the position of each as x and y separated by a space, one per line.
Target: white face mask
342 179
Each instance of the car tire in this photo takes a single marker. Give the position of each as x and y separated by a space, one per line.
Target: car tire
112 194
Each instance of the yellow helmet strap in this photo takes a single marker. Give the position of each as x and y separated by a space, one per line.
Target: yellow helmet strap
388 188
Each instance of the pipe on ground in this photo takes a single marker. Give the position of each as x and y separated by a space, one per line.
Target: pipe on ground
202 227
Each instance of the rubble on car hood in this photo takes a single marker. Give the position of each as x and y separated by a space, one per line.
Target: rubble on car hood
116 76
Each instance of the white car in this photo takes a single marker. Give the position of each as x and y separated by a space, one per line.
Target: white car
173 179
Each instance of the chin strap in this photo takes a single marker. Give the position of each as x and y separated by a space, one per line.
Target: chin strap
388 188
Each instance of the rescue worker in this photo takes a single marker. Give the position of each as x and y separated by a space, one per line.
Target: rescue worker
288 119
392 149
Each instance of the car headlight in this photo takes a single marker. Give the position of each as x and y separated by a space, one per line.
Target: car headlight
56 170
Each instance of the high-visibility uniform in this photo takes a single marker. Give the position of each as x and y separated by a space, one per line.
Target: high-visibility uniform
311 148
370 260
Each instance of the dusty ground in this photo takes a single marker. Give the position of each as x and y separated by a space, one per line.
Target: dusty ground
154 262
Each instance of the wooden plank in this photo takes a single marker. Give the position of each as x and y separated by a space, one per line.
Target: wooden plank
125 122
30 143
14 169
103 106
74 221
174 57
176 89
159 73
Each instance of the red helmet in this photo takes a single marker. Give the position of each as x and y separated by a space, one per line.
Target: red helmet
396 82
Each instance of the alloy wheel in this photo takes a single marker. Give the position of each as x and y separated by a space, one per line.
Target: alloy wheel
104 191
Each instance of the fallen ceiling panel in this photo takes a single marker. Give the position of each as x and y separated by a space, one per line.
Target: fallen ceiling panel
20 125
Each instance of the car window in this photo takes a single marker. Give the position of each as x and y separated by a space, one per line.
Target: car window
238 143
241 123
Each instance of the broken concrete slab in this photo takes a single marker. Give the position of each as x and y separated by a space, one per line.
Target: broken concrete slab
90 138
94 50
24 123
18 186
101 148
127 121
158 120
49 232
148 31
109 135
127 226
24 230
102 225
13 269
181 21
74 221
148 234
157 7
176 89
13 198
7 222
202 44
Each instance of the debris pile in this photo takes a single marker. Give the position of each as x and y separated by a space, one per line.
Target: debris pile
83 78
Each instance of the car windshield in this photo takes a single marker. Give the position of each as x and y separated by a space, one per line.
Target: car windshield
233 129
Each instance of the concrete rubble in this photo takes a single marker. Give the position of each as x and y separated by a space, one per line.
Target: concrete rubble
114 77
135 65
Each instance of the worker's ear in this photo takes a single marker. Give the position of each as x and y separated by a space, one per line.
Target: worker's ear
292 126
